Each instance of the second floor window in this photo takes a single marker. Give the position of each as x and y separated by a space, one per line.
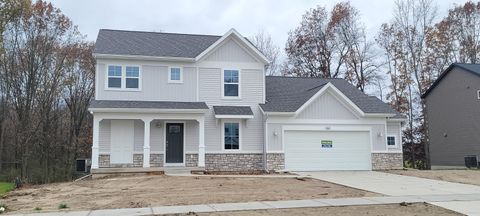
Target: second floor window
123 77
131 80
175 75
114 76
231 83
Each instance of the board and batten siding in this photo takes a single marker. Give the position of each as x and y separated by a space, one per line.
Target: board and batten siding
154 84
453 118
230 51
394 128
327 106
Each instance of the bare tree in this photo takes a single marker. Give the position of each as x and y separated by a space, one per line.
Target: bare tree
263 41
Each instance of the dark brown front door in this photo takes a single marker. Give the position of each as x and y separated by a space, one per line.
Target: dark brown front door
174 143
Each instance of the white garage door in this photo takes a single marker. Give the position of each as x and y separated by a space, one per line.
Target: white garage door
327 150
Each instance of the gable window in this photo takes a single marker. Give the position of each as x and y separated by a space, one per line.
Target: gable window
231 135
132 77
231 83
175 75
114 76
391 141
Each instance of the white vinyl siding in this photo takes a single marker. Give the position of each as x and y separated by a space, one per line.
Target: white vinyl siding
138 136
394 129
154 85
104 136
122 139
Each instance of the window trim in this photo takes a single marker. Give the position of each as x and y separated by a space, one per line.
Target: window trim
169 74
396 141
123 78
239 134
478 94
239 84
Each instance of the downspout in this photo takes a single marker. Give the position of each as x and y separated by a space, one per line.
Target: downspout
265 117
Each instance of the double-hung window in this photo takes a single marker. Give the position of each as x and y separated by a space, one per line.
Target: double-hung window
132 77
231 135
114 76
175 75
123 77
231 84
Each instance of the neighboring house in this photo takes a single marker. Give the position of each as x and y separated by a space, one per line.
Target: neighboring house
453 115
164 99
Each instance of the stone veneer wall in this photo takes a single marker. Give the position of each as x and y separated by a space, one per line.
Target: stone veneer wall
233 162
137 160
103 160
387 161
191 160
275 161
156 160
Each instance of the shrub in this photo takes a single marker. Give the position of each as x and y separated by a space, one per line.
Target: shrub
62 206
38 209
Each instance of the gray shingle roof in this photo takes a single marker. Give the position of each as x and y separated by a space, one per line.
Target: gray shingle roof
232 110
147 104
287 94
119 42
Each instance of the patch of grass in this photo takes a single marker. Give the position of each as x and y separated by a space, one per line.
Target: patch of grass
6 187
62 206
37 209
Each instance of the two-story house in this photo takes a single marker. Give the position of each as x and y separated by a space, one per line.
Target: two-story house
453 115
165 99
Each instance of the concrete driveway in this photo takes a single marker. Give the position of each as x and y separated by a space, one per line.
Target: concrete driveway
391 184
462 198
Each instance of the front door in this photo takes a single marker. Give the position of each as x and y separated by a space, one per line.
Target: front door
174 143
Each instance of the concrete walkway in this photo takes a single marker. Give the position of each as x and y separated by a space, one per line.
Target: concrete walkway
462 198
391 184
221 207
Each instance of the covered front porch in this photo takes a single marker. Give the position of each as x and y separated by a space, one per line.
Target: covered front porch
147 138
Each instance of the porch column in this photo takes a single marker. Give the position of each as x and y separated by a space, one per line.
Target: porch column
146 143
201 141
96 134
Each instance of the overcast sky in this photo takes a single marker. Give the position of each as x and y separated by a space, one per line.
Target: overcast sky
277 17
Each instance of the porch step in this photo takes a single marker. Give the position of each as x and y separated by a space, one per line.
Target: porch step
179 171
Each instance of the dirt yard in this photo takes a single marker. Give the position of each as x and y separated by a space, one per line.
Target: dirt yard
390 210
143 191
459 176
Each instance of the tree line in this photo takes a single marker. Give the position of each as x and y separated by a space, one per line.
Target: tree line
401 61
47 73
46 83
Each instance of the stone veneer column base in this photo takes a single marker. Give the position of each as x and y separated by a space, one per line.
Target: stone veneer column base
387 161
156 160
233 162
191 160
275 161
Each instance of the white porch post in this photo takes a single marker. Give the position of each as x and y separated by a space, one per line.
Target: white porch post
96 134
146 143
201 141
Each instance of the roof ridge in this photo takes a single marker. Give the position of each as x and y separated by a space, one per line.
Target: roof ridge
172 33
336 78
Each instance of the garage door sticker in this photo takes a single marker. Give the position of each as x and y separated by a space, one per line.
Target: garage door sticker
327 143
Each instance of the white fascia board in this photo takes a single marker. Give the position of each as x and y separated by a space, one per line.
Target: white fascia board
321 91
241 38
141 110
280 113
234 116
140 57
